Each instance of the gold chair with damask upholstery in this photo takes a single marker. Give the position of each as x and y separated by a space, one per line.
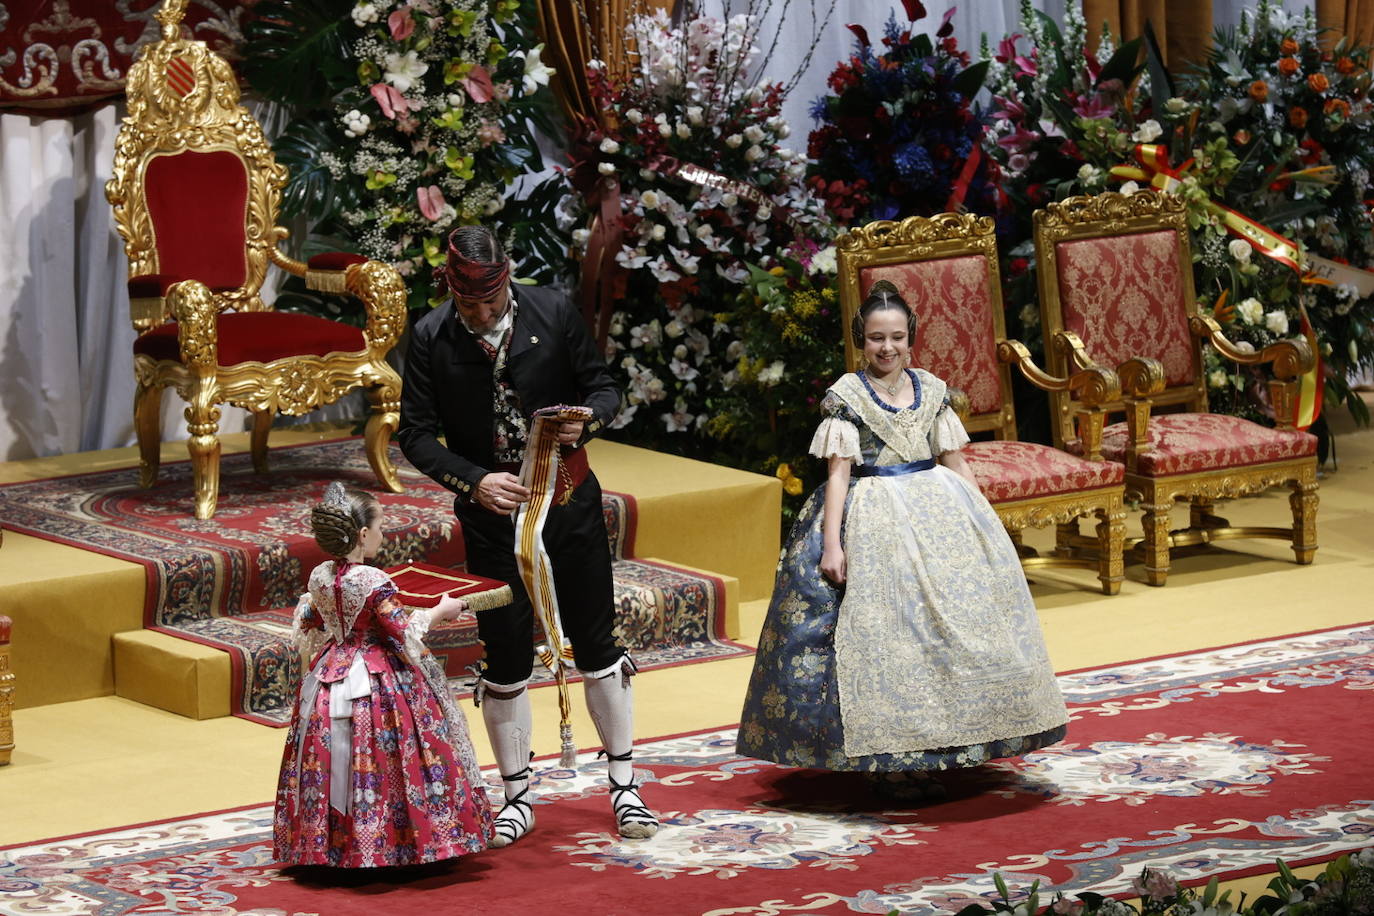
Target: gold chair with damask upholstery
1116 288
945 268
195 194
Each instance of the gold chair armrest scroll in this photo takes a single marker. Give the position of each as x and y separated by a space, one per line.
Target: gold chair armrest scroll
1290 358
378 285
1092 386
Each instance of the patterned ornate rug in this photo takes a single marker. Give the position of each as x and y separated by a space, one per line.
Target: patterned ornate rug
1212 763
230 581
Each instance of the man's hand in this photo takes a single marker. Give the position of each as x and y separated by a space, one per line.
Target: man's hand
569 431
501 493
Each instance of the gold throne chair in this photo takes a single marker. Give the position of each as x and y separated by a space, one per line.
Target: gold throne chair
945 268
195 195
1116 287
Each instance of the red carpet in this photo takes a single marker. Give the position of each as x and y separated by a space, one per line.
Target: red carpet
1211 763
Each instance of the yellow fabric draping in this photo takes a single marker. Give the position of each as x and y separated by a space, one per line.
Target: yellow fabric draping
1183 27
1351 18
576 32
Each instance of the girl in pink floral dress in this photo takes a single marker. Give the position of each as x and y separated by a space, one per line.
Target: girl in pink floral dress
378 768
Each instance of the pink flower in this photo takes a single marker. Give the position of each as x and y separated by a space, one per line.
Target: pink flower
491 132
431 201
1018 140
478 84
392 103
1006 48
1100 105
1156 885
1027 65
401 24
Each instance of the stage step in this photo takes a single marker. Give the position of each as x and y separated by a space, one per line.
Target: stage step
665 613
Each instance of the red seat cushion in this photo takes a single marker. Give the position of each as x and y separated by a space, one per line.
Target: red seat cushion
260 337
1184 443
1021 470
151 286
334 260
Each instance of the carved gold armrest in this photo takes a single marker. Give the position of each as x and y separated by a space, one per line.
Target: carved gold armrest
960 402
378 285
193 306
1092 386
1290 359
1142 377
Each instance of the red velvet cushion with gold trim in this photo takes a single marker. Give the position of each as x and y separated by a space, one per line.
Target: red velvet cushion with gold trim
260 337
1123 295
152 286
1182 443
334 260
1021 470
955 336
198 203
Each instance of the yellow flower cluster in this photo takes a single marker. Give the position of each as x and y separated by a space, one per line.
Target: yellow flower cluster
791 483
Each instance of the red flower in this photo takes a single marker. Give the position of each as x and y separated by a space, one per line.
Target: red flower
1017 266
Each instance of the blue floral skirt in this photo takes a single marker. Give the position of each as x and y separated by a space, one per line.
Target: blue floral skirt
792 709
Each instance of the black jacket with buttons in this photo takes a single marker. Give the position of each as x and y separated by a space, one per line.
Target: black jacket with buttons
448 384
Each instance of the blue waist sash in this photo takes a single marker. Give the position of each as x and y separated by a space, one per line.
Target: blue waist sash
892 470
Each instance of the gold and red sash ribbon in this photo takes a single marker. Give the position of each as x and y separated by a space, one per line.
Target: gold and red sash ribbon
1153 167
539 473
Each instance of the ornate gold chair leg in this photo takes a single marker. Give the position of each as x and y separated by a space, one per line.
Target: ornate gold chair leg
385 417
1304 500
262 425
1156 543
148 428
1111 538
1065 535
202 420
6 694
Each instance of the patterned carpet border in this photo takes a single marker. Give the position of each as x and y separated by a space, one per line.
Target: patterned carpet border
1207 764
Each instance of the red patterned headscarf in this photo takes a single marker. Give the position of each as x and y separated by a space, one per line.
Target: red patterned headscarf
465 278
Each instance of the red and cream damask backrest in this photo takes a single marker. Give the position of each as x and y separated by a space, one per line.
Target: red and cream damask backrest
945 268
1117 270
196 188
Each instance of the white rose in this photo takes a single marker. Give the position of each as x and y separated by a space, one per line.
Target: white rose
364 14
680 351
1176 105
753 133
765 214
1245 346
694 115
659 231
455 100
1240 250
754 154
733 141
609 146
1129 188
647 174
704 231
634 116
606 168
1088 173
628 363
580 237
784 131
1218 378
728 200
1148 132
674 328
1276 321
1250 310
649 199
683 130
665 129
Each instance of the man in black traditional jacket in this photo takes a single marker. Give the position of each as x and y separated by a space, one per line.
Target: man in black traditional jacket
477 368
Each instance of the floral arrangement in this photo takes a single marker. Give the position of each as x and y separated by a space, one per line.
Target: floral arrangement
791 349
900 137
703 187
1281 129
1051 97
1344 888
411 117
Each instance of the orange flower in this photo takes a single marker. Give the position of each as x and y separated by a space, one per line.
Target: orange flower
1297 116
1288 65
1241 137
1338 107
1289 46
1345 66
1317 82
1259 91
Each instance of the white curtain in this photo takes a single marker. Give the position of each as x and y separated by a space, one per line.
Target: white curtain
66 364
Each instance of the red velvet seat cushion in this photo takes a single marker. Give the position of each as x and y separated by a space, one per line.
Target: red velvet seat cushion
260 337
1184 443
334 260
152 286
1021 470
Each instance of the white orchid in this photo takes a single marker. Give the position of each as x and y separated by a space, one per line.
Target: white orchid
404 70
536 72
